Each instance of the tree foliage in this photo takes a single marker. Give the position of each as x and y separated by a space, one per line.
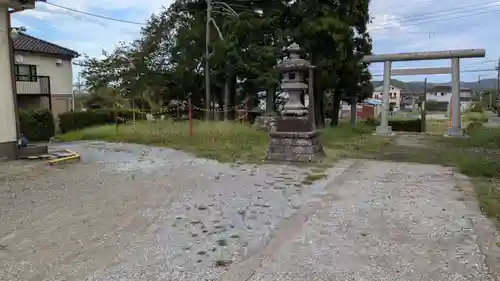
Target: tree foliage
166 62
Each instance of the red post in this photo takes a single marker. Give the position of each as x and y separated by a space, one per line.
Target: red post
190 116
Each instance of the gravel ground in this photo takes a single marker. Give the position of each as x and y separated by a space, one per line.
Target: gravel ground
387 221
130 212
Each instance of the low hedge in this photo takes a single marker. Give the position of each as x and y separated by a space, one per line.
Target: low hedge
412 125
37 124
76 120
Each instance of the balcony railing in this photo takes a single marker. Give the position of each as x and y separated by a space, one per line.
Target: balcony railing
32 85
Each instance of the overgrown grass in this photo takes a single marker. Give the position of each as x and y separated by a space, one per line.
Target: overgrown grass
223 141
478 156
470 116
488 195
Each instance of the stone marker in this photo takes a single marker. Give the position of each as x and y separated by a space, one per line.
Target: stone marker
293 136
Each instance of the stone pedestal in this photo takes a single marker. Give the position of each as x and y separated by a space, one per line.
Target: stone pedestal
294 140
264 123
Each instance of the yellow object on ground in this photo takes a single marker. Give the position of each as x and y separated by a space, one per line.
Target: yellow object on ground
65 157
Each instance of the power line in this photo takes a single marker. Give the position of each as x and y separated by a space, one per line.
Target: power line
452 9
94 15
436 18
471 70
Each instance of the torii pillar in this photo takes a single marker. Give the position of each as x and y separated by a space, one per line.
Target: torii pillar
454 55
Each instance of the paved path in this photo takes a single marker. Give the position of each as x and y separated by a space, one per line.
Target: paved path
494 120
129 212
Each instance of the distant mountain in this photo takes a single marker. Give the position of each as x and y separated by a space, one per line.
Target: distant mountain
418 86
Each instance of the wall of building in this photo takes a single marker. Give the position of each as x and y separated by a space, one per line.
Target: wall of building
394 96
8 127
61 75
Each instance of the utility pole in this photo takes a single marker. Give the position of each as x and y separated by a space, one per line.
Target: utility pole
207 65
423 113
498 82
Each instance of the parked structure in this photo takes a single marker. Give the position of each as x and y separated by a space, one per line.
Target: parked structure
43 74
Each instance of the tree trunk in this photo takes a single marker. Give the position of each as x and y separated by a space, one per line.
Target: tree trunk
319 115
227 101
227 93
232 98
319 98
270 100
337 98
354 111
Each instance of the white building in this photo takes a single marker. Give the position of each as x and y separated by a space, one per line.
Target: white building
394 96
43 73
443 94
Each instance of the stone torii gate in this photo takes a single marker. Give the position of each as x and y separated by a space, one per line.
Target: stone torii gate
454 55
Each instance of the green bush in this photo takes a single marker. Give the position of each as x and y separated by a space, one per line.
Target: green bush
475 117
371 121
37 125
76 120
473 127
476 107
413 125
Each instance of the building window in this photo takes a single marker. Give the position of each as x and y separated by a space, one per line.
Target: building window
25 72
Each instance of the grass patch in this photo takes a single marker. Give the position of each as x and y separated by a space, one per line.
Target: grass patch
488 194
475 117
223 141
477 156
314 177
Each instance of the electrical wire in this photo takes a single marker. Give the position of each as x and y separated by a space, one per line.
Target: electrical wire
451 9
464 71
440 16
435 20
246 8
94 15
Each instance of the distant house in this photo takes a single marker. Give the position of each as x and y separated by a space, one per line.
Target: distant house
409 100
43 74
394 96
442 94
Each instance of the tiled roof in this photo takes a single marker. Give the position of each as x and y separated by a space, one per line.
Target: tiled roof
32 44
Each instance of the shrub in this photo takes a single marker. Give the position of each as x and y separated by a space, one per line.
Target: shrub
473 127
76 120
36 125
476 107
475 117
404 125
413 125
432 105
371 121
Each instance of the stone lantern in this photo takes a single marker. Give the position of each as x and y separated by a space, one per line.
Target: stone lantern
294 137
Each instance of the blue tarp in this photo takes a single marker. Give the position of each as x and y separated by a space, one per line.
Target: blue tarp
373 102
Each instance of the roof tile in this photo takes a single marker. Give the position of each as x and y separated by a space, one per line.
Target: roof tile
32 44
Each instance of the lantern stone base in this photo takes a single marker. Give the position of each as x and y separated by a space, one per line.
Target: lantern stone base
300 145
264 123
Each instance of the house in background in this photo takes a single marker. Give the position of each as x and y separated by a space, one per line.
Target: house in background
442 95
43 74
394 96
